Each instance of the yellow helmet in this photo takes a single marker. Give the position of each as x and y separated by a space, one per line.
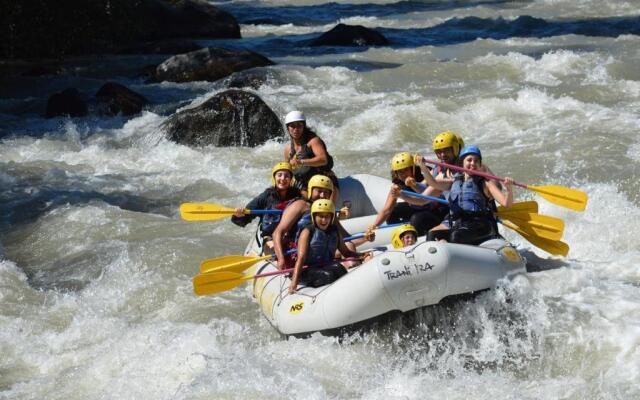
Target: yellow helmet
319 181
401 161
281 166
447 139
460 141
323 206
396 239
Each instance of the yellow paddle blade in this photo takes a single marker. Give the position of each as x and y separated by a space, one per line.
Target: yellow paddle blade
541 225
204 211
229 263
555 247
217 282
569 198
530 206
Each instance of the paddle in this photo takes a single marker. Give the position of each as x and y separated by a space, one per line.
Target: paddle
529 206
233 263
210 212
555 247
230 263
240 263
217 282
541 225
569 198
544 226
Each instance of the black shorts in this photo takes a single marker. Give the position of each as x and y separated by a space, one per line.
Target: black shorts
320 276
474 231
422 220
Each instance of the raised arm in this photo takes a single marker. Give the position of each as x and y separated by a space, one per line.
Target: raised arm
505 200
429 179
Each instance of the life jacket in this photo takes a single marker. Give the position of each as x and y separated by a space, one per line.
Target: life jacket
322 245
467 198
270 221
304 172
302 223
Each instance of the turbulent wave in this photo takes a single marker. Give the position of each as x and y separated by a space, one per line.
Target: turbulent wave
95 264
294 39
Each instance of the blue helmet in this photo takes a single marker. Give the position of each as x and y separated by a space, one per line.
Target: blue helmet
470 150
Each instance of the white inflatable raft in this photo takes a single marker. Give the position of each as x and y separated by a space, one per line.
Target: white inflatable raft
392 282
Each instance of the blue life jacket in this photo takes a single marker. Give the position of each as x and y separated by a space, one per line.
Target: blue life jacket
270 221
322 246
302 223
467 197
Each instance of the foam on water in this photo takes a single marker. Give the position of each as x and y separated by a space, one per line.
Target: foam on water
581 9
95 290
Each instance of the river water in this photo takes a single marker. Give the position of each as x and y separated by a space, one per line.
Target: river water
96 265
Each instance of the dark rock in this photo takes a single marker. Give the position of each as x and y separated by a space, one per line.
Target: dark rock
68 102
39 29
114 98
208 64
248 79
350 35
174 46
230 118
148 73
42 70
191 18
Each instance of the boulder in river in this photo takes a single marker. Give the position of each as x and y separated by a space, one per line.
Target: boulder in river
350 35
68 102
170 46
208 64
114 98
251 79
230 118
41 29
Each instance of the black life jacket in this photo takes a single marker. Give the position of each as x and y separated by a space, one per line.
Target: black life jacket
304 172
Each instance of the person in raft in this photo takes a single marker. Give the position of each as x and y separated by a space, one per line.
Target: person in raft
278 196
446 146
422 215
298 215
403 236
317 243
307 153
471 198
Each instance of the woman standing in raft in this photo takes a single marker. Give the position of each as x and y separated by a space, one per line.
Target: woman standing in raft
307 153
422 215
277 197
317 244
471 202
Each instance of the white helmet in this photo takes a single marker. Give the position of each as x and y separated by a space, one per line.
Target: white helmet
294 116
